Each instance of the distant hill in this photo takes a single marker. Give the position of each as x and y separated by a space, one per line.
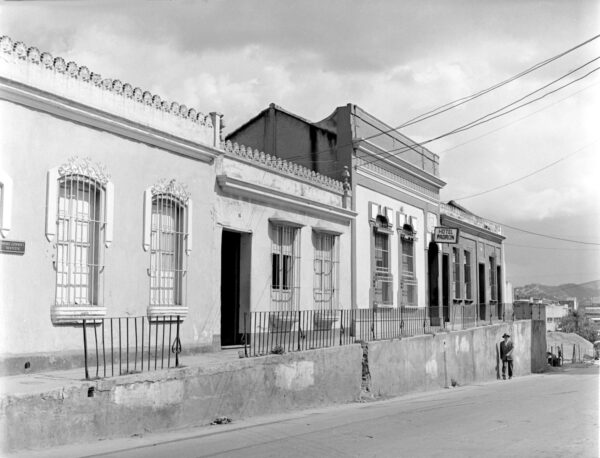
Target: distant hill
581 292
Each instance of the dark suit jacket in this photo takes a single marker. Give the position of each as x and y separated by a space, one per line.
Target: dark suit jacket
505 348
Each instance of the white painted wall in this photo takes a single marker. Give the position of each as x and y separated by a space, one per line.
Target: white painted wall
363 246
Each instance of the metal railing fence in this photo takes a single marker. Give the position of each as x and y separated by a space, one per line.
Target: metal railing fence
127 345
281 332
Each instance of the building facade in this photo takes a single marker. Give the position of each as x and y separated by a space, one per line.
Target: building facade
473 270
117 203
395 188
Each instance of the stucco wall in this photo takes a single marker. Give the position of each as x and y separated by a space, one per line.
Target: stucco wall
32 143
363 245
190 396
432 361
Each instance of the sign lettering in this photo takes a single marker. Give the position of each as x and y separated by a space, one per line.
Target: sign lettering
445 235
12 247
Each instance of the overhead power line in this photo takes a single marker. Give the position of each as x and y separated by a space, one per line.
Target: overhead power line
562 239
458 102
519 119
482 120
526 176
463 100
553 248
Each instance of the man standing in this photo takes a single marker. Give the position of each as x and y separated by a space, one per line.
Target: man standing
506 350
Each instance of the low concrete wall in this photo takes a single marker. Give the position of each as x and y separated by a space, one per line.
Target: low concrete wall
431 362
189 396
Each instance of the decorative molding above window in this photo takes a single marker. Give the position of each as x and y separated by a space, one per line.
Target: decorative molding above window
6 197
177 191
85 168
380 213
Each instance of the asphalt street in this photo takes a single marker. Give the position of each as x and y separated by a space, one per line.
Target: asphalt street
544 415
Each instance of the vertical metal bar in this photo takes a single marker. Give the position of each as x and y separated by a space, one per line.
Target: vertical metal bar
136 345
169 349
245 336
142 346
178 345
120 356
162 351
96 343
85 358
149 341
155 342
127 340
103 349
112 359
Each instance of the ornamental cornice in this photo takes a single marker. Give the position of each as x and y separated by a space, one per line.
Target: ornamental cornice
286 167
35 72
31 55
172 188
85 167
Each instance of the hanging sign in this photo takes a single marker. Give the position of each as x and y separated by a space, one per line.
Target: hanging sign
12 247
445 235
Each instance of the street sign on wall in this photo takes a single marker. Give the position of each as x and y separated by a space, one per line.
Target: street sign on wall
445 235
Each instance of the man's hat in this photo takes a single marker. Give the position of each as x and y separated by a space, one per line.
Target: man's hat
505 335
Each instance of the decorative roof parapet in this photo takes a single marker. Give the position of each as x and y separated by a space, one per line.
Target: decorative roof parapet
36 67
282 165
477 221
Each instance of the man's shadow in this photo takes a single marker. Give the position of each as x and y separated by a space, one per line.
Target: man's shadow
497 361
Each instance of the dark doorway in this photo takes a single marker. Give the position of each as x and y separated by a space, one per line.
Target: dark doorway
230 288
433 269
446 286
481 289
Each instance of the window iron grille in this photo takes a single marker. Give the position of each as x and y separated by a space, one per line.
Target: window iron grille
79 251
167 260
325 271
285 268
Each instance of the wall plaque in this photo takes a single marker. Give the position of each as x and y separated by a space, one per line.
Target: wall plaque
12 247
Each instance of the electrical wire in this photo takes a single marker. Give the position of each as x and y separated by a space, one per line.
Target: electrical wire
481 120
518 119
528 175
553 248
453 104
562 239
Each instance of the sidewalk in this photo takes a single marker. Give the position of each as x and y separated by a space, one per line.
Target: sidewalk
43 382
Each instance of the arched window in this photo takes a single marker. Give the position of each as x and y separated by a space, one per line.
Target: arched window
79 220
167 223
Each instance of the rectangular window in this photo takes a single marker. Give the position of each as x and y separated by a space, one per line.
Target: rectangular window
285 267
409 278
167 266
493 290
325 271
78 246
383 281
455 273
467 275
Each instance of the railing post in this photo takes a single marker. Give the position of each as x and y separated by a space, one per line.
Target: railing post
85 359
178 348
299 328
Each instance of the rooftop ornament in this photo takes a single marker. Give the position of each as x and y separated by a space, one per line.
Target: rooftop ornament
281 165
45 60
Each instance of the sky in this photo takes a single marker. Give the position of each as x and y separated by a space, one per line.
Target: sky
397 60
